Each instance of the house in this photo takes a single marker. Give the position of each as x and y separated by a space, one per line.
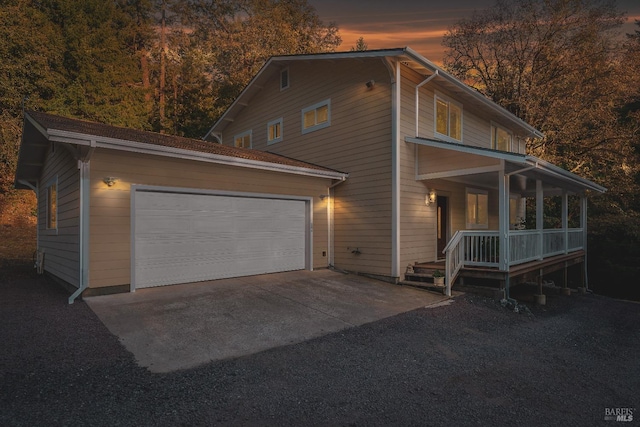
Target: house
366 161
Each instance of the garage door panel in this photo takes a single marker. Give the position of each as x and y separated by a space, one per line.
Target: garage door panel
189 237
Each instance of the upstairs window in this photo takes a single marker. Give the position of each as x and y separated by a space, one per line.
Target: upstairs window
242 140
284 79
501 139
316 117
52 206
274 131
477 209
448 119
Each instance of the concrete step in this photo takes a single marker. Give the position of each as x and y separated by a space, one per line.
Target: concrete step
425 286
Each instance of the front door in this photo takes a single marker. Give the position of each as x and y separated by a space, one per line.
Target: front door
442 214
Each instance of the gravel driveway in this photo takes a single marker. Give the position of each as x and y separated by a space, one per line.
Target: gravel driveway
468 363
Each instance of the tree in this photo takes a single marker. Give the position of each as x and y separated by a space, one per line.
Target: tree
360 46
560 66
232 39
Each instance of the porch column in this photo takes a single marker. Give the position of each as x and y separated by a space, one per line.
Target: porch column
503 215
583 225
565 220
540 218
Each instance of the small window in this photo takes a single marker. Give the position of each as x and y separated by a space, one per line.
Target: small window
274 131
316 117
284 79
501 139
52 206
477 209
448 119
243 140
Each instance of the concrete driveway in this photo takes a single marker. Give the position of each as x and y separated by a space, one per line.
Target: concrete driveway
178 327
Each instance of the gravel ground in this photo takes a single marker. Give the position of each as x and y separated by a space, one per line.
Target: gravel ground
472 362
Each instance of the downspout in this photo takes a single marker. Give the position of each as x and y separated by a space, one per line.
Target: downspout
83 166
418 86
395 172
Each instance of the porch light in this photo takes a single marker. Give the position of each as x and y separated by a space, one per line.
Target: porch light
323 196
109 180
431 197
370 84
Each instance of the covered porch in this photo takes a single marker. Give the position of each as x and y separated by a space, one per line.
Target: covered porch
504 231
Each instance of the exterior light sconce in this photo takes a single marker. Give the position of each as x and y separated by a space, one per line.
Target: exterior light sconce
109 180
324 196
370 84
431 197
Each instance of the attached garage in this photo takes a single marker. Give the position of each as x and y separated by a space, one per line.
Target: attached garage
181 237
137 209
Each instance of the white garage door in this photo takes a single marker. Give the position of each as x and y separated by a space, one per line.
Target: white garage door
182 238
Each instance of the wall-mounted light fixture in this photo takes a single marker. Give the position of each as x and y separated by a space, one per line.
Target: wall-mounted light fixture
109 180
431 197
324 196
370 84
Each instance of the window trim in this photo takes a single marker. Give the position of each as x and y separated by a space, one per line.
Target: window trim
476 192
439 96
494 127
279 138
316 107
283 72
47 221
248 133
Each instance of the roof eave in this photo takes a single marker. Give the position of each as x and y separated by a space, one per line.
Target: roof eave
141 147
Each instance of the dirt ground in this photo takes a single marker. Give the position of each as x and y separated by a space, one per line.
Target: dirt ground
472 362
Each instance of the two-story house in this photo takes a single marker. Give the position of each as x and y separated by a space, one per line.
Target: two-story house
436 170
366 161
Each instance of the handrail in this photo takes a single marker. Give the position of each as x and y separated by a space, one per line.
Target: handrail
482 248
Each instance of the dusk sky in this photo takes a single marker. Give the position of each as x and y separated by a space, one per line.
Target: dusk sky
418 24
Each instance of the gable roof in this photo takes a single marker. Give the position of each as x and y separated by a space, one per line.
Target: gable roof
41 129
406 56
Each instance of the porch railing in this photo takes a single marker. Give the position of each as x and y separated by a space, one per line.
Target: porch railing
482 248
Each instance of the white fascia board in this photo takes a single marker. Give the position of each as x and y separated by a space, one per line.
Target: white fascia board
160 150
472 92
551 169
514 158
510 157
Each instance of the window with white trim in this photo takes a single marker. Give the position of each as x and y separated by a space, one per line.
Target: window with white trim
477 208
242 140
274 131
52 205
317 116
501 139
448 118
284 79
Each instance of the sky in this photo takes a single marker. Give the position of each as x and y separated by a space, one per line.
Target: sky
419 24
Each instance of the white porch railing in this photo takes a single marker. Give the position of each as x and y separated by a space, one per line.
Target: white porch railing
482 248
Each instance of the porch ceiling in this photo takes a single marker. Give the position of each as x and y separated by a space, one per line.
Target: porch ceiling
482 167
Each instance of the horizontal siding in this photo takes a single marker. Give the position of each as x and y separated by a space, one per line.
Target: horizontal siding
61 247
110 217
358 141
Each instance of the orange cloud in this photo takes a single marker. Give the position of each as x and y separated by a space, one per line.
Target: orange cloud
427 42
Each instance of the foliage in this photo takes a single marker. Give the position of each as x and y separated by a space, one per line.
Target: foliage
561 66
360 46
119 62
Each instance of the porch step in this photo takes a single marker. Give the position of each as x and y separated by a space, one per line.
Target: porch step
427 286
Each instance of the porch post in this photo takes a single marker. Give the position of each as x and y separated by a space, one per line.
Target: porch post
503 216
583 225
565 220
540 218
